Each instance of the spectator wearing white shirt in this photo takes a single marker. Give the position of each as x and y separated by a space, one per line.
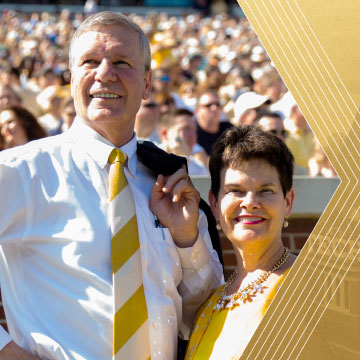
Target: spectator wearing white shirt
178 134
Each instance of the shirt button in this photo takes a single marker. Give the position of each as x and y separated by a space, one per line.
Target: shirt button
154 324
195 255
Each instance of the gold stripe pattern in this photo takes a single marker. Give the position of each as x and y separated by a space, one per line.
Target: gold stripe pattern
129 318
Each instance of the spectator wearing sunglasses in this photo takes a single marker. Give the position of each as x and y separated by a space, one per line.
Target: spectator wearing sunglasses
209 125
147 120
165 89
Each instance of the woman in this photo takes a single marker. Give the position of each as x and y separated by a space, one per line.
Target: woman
251 197
19 126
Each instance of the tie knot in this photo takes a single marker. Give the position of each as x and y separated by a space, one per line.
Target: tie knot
117 155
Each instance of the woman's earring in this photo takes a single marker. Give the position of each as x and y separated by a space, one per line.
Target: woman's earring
286 224
218 226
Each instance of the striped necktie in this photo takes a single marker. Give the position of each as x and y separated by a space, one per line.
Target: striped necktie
131 329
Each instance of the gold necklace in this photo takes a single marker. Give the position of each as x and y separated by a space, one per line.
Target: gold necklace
244 294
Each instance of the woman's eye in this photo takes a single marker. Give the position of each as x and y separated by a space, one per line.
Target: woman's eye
235 192
264 191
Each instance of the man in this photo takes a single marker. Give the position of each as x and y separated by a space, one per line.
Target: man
272 123
301 138
56 226
209 124
270 85
178 134
147 119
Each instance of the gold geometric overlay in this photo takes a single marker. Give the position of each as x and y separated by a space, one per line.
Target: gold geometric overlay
314 45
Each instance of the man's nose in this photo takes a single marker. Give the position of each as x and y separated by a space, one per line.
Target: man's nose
105 72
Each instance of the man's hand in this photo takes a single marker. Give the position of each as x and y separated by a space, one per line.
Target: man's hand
14 352
175 202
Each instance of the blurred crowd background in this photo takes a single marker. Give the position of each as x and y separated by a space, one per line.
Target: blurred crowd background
210 72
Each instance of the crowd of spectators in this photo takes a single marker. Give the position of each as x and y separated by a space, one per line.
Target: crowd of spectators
209 73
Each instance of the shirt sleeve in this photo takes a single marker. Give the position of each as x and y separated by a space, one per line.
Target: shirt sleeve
4 338
202 274
13 216
13 204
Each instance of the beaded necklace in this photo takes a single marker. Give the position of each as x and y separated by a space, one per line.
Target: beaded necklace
245 293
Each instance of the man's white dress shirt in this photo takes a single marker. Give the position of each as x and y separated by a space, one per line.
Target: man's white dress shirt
55 259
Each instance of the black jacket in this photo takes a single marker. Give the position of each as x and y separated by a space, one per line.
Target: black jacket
160 162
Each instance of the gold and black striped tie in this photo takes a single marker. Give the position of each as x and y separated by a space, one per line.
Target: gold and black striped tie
131 329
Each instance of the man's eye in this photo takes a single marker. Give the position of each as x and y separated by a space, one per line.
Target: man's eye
122 64
90 62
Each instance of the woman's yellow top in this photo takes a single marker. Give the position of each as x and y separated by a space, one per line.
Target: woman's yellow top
224 334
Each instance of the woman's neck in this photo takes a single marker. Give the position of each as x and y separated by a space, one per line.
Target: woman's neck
255 257
252 263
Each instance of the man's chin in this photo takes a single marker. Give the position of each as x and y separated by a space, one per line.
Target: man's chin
104 117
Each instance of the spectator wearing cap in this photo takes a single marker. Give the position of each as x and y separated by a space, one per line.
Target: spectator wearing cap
246 107
209 125
147 119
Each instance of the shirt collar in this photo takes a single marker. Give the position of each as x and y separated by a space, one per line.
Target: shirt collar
100 148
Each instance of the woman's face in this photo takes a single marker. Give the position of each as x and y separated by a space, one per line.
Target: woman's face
251 205
11 130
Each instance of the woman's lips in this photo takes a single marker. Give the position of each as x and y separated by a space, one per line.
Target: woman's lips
250 220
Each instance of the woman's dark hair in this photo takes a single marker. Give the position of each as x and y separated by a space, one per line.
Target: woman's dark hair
27 120
244 143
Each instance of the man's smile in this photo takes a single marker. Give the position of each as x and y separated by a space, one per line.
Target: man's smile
105 96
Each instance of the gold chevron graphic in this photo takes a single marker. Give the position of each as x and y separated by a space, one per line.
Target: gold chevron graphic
314 46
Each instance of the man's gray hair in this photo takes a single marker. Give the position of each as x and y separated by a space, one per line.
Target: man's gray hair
106 18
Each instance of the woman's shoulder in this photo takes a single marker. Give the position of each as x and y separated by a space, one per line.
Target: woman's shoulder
285 268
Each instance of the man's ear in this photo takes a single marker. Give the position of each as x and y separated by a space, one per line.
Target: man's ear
148 82
214 205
